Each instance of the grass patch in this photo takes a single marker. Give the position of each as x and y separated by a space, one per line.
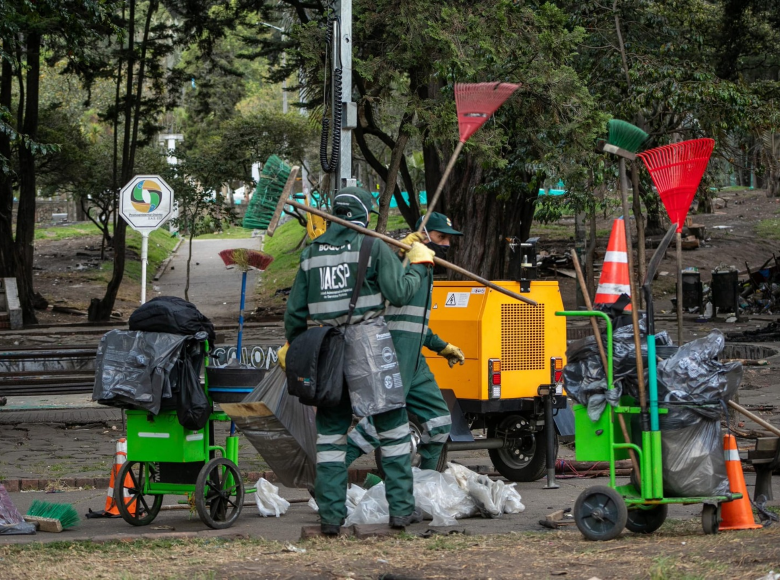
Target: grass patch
78 230
768 229
161 244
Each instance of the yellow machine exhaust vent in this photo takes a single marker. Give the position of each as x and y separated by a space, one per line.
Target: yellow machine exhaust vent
522 337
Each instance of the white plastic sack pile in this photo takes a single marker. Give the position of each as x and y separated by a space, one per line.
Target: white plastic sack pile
269 502
444 498
492 498
354 494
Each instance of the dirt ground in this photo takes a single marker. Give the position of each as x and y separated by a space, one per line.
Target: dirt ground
68 274
672 553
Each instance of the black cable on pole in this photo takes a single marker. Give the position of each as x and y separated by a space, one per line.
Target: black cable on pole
330 165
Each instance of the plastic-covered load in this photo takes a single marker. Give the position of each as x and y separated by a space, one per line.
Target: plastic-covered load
585 380
371 369
172 315
132 369
280 428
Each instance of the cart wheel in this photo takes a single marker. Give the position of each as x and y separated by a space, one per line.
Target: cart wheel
525 456
600 513
646 521
136 507
710 518
219 493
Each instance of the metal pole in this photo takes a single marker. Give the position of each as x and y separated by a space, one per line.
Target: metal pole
349 109
549 431
679 291
144 260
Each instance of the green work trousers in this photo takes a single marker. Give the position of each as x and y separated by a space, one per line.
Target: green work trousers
423 399
394 438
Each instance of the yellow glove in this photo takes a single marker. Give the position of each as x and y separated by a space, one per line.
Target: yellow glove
453 355
281 354
410 239
420 254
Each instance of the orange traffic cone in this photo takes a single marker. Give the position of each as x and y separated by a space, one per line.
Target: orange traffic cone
614 279
119 459
737 514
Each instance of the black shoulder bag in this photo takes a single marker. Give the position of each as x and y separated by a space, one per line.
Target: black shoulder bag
315 360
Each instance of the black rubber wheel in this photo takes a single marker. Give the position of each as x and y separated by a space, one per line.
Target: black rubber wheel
415 426
710 518
218 499
600 513
648 520
137 508
525 456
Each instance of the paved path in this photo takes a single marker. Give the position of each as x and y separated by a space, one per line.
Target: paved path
215 290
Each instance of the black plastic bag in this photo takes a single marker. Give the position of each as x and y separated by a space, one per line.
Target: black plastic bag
280 428
315 366
192 405
172 315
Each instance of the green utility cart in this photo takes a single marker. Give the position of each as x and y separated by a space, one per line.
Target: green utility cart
165 458
601 512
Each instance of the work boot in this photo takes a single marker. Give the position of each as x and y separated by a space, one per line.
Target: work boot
400 522
330 529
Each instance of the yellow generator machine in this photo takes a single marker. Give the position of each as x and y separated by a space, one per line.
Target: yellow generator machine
514 352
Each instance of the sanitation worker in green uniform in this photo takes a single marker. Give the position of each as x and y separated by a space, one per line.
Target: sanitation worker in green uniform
321 292
409 328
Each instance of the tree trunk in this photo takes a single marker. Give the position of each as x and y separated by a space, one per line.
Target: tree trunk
392 180
25 218
189 261
640 224
7 262
590 275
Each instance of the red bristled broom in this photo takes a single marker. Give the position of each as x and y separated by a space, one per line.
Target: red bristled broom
243 259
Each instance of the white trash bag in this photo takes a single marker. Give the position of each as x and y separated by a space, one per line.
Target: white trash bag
371 509
492 498
440 498
269 502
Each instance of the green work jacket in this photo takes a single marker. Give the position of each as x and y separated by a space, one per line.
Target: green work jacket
324 283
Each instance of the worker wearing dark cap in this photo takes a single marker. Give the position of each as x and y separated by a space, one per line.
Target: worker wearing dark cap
409 328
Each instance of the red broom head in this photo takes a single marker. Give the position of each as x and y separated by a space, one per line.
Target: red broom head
476 102
245 259
676 171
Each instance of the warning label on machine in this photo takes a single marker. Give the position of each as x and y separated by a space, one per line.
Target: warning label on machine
457 299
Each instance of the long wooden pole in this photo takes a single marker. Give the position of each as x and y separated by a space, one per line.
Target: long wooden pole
600 344
432 202
640 367
405 247
768 426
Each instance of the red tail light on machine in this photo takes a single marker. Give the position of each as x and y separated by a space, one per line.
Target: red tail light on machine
556 374
494 378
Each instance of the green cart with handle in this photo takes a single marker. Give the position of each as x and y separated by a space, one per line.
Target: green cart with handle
601 512
164 458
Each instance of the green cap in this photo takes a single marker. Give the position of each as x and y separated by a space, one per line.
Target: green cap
353 204
438 222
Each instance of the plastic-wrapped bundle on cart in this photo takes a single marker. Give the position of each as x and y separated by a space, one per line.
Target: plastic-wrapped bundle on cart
280 428
693 386
585 380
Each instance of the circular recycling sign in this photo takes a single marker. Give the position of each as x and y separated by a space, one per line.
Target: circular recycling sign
146 202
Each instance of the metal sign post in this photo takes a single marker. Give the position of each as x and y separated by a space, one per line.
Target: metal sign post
145 203
349 108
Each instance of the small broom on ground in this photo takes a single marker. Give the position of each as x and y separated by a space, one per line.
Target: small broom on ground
244 259
52 517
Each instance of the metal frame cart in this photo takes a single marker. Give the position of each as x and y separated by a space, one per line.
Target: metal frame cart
601 512
164 458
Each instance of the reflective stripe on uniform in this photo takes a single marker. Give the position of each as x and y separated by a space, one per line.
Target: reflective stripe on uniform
331 439
396 450
418 311
397 325
369 428
357 438
323 260
440 438
395 433
342 305
331 456
437 422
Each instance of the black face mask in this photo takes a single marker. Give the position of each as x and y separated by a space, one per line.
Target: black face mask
441 253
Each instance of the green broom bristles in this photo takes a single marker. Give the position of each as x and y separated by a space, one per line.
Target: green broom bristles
64 512
625 135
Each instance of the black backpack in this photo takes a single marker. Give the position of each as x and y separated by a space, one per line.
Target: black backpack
172 315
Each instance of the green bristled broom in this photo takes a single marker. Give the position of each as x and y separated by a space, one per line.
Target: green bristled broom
52 517
623 139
